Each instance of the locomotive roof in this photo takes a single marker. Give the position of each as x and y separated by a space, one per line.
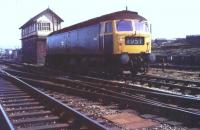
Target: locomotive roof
124 14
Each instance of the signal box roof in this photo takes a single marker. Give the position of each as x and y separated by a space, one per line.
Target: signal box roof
43 12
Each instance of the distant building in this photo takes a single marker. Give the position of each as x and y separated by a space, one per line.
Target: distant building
159 41
34 33
16 55
180 40
193 39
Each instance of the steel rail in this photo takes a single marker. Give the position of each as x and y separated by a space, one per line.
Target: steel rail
166 97
145 105
133 89
177 67
170 79
91 124
186 112
5 121
157 82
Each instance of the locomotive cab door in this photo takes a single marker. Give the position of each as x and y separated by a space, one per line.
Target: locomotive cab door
106 37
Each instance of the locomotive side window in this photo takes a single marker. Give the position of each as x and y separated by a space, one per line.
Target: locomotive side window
124 25
108 27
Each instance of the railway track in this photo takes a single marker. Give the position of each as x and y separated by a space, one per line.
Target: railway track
131 90
25 107
177 67
171 103
182 86
172 85
119 95
176 86
106 110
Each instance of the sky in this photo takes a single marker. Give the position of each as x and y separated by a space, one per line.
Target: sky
169 18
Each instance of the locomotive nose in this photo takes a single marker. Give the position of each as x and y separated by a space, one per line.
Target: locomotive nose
124 58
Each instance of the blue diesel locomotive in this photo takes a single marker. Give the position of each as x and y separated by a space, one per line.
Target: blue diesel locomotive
116 42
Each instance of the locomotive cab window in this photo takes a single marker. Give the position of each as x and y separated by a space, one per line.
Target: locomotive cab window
139 26
124 25
142 26
108 27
